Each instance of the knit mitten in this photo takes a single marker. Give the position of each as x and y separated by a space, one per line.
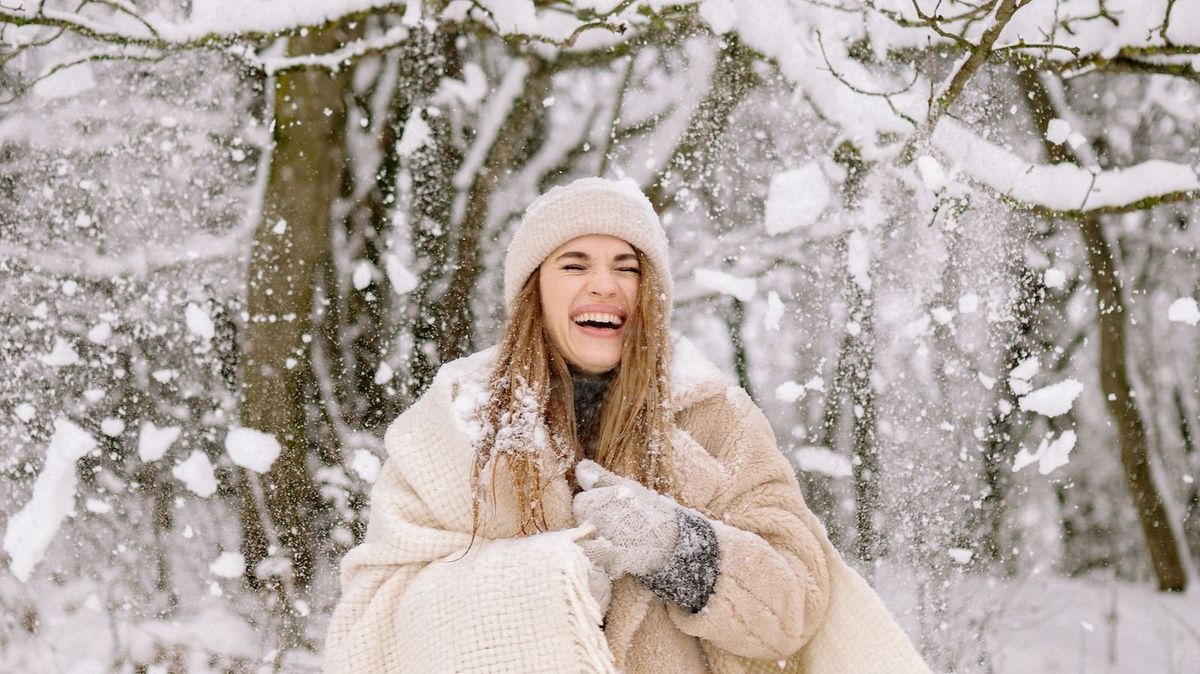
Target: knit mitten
636 528
672 550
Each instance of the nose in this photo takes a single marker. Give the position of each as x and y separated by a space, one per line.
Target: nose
602 283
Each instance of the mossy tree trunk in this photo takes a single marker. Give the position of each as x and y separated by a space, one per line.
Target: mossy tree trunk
290 244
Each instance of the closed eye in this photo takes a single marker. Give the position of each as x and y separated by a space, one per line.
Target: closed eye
574 267
631 270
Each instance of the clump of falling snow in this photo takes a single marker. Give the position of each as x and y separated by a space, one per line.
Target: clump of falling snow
61 355
153 441
726 284
1184 310
1050 455
196 473
1057 131
789 392
796 198
198 322
1053 400
251 449
228 565
366 464
32 528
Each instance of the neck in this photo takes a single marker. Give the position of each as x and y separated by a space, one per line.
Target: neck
578 374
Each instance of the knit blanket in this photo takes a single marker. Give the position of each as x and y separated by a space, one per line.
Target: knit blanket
428 595
511 605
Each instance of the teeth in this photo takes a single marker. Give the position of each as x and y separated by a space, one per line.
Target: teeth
611 319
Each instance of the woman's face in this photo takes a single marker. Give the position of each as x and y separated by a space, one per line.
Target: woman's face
589 289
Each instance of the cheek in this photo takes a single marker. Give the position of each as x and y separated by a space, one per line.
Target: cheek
555 305
629 287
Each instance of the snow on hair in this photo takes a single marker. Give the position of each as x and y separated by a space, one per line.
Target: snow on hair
531 388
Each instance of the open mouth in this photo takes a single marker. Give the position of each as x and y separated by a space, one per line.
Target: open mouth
600 321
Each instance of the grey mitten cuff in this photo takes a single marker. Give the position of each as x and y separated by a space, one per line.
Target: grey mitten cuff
690 574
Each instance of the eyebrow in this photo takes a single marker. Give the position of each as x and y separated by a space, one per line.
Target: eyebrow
579 255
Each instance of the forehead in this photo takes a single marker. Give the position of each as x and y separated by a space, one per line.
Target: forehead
595 245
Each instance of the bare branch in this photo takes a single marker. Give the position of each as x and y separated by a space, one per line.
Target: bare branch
1074 51
79 25
1075 214
123 8
934 23
334 60
159 36
680 22
977 58
1166 24
1134 59
975 13
106 54
242 45
600 21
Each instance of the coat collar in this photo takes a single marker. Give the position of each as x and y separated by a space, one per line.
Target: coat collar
693 377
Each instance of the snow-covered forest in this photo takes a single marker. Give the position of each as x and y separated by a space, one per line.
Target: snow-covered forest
951 247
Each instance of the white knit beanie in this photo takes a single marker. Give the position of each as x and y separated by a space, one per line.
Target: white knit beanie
587 206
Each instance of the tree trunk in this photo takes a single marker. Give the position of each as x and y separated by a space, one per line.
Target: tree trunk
368 326
1001 429
432 169
856 361
691 162
1114 375
819 493
1122 406
290 243
1191 517
869 544
735 321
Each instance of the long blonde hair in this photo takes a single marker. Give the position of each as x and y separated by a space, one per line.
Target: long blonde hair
530 404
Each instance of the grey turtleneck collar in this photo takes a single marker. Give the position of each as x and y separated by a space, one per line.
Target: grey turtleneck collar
589 391
690 575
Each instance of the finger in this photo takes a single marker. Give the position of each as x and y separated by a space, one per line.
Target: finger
601 553
591 475
581 531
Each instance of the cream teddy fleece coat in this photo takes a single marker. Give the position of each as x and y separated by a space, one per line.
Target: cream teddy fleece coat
421 594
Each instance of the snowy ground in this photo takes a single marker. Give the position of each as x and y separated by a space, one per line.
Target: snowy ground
1036 624
1048 624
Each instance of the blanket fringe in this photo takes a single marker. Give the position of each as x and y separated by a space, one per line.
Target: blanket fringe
586 619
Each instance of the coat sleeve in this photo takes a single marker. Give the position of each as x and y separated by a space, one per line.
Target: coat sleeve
772 588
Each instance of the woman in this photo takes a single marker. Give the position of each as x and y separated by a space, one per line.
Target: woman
588 496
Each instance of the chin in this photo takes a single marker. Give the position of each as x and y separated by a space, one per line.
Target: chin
598 365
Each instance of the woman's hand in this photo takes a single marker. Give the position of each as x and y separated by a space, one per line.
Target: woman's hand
636 528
